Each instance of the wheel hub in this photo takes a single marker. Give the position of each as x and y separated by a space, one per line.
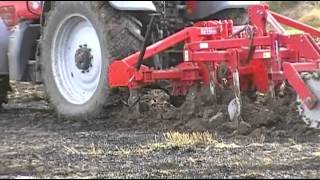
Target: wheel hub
83 58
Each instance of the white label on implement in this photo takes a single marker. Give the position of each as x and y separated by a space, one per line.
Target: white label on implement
204 45
208 31
267 55
186 55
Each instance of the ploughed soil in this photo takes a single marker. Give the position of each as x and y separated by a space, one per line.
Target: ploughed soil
270 141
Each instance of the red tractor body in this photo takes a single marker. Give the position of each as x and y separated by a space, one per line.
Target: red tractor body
11 12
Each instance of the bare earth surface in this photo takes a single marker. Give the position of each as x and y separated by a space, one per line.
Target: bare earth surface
271 142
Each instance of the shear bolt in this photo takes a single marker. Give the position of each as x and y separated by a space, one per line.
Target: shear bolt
309 102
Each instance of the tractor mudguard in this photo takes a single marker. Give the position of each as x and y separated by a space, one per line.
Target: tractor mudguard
21 42
119 5
4 40
203 9
133 5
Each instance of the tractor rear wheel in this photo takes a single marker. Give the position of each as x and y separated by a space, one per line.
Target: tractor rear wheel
80 40
238 16
4 89
4 68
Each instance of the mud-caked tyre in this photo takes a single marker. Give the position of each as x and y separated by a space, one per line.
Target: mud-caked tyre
99 31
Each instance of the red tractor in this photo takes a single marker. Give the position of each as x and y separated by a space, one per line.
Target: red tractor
19 32
87 49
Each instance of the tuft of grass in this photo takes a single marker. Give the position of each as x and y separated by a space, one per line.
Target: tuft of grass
176 140
317 153
226 146
95 151
154 148
185 139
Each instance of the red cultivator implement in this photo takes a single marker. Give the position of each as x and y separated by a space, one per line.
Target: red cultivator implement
254 57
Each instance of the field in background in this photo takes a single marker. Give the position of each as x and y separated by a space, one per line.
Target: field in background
307 12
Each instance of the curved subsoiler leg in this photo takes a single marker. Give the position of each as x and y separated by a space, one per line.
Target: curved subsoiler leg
234 107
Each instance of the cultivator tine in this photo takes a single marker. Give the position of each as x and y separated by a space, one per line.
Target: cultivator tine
272 90
133 100
234 107
212 83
